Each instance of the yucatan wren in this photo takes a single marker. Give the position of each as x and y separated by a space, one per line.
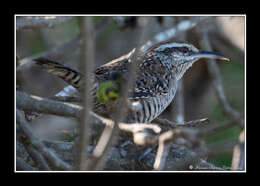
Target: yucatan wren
159 69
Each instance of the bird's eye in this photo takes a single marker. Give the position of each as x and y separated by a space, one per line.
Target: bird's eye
184 49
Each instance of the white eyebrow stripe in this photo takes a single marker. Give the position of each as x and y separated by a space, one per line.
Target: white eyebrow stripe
170 45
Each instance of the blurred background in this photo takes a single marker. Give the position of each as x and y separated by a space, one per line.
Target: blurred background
116 36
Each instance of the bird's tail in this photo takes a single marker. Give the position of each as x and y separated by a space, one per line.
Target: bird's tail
69 75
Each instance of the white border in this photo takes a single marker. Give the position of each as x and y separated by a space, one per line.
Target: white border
219 15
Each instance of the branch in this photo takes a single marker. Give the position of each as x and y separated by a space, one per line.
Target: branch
22 165
163 150
66 98
42 105
47 106
193 123
37 158
109 135
190 137
36 142
238 160
36 22
143 134
183 26
217 82
86 64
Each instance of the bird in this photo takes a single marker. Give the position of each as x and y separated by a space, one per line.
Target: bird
159 68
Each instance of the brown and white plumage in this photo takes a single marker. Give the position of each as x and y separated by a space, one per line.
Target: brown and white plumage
159 69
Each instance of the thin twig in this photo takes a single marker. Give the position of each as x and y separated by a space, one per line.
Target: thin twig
87 60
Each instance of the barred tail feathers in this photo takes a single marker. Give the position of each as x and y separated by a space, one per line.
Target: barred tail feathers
67 74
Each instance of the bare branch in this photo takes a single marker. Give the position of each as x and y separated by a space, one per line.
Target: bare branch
22 165
67 98
226 47
36 22
37 158
238 160
180 116
109 136
42 105
36 142
193 123
217 82
162 151
87 60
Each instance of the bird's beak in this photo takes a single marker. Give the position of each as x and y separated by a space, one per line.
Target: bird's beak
210 55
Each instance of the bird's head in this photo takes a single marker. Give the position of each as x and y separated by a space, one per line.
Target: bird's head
179 57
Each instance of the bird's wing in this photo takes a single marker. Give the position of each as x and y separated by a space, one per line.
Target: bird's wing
119 66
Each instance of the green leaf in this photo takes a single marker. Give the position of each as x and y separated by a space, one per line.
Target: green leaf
108 92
